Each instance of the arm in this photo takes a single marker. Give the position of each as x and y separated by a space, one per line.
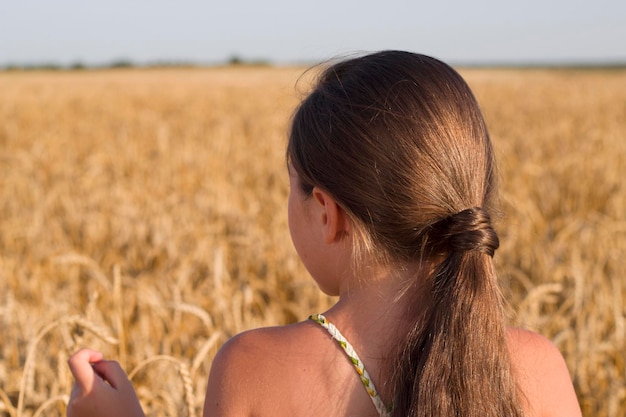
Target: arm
101 388
559 395
543 375
226 391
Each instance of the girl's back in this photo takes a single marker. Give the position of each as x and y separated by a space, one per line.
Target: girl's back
296 370
299 370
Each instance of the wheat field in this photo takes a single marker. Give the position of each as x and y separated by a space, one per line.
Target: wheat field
143 213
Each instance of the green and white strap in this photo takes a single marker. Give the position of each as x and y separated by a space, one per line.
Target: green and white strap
383 410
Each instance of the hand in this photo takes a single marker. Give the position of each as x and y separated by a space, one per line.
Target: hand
101 388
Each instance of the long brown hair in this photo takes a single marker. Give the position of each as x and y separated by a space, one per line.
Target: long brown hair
399 141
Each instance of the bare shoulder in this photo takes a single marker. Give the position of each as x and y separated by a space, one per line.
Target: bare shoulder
542 374
265 345
255 366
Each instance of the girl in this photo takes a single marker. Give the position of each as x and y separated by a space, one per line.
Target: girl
392 180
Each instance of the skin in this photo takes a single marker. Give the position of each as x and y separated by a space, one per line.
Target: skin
101 389
297 369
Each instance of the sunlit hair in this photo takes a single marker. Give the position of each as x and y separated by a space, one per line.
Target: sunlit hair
399 141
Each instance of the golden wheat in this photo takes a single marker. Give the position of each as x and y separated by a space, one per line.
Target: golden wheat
142 213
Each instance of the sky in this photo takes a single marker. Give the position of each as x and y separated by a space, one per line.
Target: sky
97 32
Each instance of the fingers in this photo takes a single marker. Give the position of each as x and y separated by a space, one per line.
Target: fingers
112 373
81 366
88 369
102 388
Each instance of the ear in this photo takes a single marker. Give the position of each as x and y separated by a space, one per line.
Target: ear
335 224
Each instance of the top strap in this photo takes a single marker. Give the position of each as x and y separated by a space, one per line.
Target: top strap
383 411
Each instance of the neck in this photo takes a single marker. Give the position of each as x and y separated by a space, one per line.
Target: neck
378 305
374 313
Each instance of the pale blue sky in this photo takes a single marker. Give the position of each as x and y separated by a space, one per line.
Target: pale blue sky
286 31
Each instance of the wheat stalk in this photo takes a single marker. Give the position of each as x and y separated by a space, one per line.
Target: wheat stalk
32 348
196 311
531 305
204 350
58 398
7 403
93 267
119 314
183 371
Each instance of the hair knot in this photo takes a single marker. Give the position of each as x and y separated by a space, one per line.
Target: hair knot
467 230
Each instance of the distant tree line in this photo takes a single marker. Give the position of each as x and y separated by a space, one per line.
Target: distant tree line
234 60
237 60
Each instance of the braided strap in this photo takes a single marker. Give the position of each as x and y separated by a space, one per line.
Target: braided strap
383 410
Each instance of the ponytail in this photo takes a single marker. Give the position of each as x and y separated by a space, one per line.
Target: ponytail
455 360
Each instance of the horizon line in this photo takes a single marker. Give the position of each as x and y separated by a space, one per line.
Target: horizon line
237 60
